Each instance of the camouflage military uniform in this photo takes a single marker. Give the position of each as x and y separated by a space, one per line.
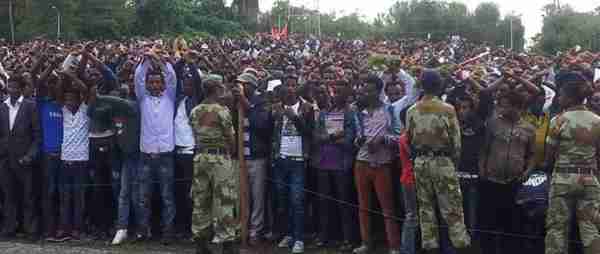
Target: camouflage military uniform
574 136
435 137
215 188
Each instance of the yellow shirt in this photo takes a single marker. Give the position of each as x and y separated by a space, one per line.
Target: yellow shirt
541 125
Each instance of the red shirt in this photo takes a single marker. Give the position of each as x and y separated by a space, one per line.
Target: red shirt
408 177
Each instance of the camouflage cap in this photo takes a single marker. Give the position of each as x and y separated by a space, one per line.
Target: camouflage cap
214 77
251 71
247 78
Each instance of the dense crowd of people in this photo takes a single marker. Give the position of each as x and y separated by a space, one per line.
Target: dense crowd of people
458 142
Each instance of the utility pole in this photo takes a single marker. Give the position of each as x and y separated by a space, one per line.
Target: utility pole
289 18
512 17
57 22
11 21
279 16
318 19
511 33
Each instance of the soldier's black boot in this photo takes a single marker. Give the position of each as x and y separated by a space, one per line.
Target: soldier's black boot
202 246
230 248
431 251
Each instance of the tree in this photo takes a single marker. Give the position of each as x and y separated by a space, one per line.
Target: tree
564 28
99 19
486 17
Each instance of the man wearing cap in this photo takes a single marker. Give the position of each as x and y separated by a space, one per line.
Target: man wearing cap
215 188
573 144
256 132
434 134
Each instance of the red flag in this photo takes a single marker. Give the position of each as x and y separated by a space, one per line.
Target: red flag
275 32
284 32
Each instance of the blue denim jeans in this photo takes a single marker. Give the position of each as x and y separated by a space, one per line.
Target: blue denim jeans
410 225
73 177
157 168
51 166
128 194
289 186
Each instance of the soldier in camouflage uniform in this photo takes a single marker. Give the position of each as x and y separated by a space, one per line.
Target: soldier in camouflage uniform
215 183
573 142
434 134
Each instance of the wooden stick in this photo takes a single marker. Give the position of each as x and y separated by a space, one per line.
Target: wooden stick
244 197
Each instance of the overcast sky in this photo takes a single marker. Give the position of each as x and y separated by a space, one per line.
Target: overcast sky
530 9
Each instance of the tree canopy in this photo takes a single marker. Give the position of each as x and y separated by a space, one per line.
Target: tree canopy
97 19
564 28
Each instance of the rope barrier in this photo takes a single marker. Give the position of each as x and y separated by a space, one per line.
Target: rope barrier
333 199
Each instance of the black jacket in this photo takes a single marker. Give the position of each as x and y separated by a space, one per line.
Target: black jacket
24 138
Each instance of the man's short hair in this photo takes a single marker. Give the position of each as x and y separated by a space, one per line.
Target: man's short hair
19 79
211 86
373 79
155 73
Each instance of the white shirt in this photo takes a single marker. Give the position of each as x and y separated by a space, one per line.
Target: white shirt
184 136
3 73
412 95
76 128
291 141
13 110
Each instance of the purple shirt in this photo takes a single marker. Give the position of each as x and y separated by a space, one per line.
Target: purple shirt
157 113
331 157
375 124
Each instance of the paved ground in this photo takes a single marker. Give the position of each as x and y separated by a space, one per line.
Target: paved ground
15 247
89 247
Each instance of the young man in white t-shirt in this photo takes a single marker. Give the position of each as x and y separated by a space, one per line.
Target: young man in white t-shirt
74 157
293 121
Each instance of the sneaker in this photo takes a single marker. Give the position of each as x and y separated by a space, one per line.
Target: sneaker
60 237
392 251
167 240
285 243
75 235
50 238
120 237
363 249
346 247
141 237
298 247
270 237
320 243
